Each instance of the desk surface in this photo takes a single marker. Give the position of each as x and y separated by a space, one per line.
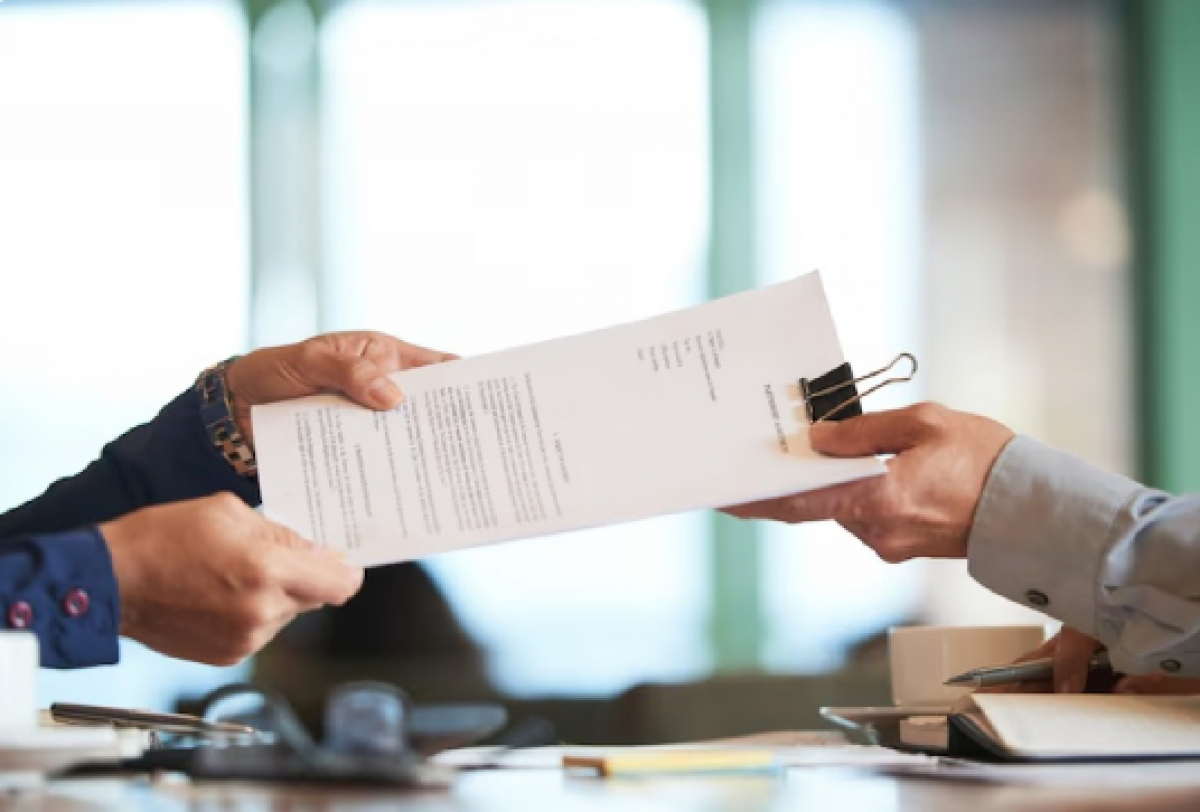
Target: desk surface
809 789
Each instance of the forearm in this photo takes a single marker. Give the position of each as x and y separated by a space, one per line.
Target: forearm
1098 551
168 459
61 587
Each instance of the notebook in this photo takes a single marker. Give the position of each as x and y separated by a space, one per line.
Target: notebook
1078 727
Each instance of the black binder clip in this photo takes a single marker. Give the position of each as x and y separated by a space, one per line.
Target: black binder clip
834 396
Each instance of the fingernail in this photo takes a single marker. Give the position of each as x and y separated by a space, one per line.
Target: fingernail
385 392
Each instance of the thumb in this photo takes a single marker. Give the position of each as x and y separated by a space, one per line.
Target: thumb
315 576
1071 658
875 433
359 378
310 574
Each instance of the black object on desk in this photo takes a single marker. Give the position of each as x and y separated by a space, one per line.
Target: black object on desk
374 735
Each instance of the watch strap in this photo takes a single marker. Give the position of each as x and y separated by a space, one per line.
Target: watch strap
216 412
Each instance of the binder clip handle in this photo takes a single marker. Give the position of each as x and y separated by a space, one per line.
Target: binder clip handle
821 401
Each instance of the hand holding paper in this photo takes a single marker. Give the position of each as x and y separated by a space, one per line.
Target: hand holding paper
926 504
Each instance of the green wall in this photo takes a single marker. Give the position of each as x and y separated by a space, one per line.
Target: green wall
1164 87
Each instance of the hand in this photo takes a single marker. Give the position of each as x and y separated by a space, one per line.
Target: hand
211 580
924 505
1072 651
353 364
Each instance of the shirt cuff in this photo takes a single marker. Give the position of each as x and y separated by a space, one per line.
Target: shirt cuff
68 598
1042 530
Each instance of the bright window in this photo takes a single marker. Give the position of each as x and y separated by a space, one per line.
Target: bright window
499 173
838 169
123 246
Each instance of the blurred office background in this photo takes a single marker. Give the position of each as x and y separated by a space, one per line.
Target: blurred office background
1004 189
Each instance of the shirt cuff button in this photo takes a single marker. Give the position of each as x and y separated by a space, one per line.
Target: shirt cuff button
76 603
1171 666
1037 598
20 615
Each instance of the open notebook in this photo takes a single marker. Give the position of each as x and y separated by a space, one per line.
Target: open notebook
1061 727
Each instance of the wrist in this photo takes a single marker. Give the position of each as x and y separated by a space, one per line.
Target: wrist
995 437
239 406
226 421
125 571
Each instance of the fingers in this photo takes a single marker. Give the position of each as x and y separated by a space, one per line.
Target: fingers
359 365
390 353
315 579
925 504
869 509
417 356
877 433
810 506
330 366
1072 653
313 576
307 573
1038 686
1046 649
1072 656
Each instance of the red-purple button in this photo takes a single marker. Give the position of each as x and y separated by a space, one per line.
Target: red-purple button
76 603
20 615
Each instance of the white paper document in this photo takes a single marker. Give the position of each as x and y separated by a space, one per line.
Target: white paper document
694 409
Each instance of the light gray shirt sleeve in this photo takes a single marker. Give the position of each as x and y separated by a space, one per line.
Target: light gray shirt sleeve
1096 550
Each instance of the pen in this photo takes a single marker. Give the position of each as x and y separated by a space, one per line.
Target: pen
159 722
1017 672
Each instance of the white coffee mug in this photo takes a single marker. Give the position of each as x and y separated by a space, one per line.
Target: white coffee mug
923 657
18 680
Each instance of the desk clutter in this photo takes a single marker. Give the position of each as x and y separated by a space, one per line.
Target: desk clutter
374 735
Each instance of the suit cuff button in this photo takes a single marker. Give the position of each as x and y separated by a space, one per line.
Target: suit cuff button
1037 598
76 603
20 615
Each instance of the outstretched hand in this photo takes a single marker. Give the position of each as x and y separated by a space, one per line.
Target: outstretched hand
924 505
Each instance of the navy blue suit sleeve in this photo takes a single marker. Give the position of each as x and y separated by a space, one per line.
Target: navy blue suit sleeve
61 588
56 575
166 460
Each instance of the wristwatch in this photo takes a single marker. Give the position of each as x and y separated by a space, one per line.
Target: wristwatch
216 412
